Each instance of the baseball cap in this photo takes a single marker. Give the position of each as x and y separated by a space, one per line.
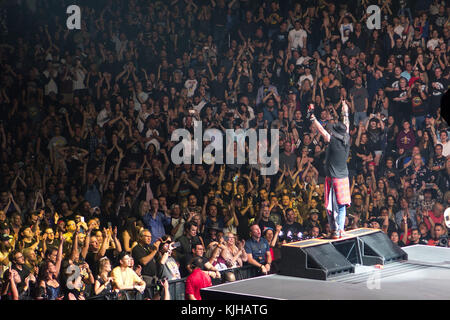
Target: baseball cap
429 116
4 237
314 211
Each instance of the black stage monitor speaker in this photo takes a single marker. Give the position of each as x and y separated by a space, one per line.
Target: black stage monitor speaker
379 245
318 262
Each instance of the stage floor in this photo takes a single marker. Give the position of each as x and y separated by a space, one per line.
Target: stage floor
425 276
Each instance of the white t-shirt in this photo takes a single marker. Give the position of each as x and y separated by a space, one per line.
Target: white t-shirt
78 82
446 148
302 60
303 77
142 96
433 43
296 38
399 30
154 141
103 117
191 86
51 86
345 30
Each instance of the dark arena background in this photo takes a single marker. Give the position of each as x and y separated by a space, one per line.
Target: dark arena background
99 100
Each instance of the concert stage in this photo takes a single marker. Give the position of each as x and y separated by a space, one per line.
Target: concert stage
424 276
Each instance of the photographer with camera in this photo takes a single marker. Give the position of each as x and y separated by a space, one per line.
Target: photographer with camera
144 254
439 236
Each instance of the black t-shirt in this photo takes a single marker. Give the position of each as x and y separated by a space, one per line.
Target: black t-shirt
280 41
375 138
263 225
439 88
393 82
247 29
243 229
418 105
218 90
295 228
403 105
24 273
336 158
93 264
138 253
398 52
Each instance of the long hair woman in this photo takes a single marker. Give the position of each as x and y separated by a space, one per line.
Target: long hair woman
104 282
49 287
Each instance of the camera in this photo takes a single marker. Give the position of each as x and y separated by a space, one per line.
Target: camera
175 245
160 282
442 242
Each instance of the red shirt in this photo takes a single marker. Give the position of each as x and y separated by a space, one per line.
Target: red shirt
196 281
434 218
407 237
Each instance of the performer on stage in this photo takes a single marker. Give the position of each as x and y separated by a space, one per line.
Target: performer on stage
337 189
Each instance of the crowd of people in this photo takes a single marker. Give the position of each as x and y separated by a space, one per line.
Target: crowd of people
91 203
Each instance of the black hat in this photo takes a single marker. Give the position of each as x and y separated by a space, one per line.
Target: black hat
429 116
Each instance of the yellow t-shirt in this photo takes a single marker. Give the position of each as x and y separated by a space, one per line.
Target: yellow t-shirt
4 262
125 278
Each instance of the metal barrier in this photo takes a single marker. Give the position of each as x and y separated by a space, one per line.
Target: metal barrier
177 287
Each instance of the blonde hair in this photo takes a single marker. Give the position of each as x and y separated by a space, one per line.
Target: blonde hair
101 263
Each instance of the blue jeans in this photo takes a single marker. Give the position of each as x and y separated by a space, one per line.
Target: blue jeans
360 116
337 219
420 121
403 12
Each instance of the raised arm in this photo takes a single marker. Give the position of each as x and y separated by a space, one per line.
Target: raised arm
319 127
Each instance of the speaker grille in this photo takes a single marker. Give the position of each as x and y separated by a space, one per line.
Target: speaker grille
327 257
378 244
